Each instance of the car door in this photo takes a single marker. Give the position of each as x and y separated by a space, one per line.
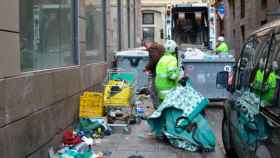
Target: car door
270 108
254 51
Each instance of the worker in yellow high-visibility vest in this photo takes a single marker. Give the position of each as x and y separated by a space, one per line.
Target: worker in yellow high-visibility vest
222 46
167 71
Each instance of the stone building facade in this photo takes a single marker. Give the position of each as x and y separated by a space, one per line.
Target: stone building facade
242 17
51 51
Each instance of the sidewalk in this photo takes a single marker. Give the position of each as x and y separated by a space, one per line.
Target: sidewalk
124 146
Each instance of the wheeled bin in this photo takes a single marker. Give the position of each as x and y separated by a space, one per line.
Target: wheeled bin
203 73
134 60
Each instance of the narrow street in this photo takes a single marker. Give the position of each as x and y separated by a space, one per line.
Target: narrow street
139 144
139 78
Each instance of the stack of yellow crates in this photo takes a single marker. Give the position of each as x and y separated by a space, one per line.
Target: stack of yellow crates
91 105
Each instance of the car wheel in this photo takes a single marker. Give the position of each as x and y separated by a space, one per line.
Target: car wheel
226 134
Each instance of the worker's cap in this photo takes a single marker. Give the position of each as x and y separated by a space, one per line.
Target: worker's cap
170 46
221 39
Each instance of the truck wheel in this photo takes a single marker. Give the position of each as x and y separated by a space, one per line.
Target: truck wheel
226 134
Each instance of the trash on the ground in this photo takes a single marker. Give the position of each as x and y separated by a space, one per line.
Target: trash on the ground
78 143
144 107
107 153
51 153
98 141
81 147
178 119
140 110
144 91
88 141
135 156
69 138
146 136
79 151
99 155
94 127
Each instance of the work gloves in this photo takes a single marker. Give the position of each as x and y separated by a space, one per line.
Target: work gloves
183 81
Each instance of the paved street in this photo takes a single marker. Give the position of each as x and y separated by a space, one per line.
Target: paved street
124 146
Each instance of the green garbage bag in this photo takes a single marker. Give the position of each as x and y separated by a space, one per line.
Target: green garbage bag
178 118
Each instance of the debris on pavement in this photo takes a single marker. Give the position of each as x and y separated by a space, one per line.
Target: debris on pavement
79 143
135 156
146 136
69 138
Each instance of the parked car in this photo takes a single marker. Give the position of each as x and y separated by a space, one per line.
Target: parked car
251 123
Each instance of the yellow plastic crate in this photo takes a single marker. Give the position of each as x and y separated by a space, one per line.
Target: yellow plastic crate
121 98
91 105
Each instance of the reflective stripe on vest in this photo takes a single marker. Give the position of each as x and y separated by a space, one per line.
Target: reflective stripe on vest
163 93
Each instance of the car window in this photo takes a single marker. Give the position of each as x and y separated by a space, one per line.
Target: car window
271 90
252 53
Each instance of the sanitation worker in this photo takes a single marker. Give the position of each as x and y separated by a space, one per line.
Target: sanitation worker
267 89
222 46
167 71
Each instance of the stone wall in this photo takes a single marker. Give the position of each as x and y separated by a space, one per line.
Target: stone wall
255 16
36 107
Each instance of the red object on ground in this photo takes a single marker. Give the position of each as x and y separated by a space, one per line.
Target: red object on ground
70 139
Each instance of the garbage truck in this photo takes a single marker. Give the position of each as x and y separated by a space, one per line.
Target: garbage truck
193 26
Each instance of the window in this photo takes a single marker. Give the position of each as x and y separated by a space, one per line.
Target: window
148 18
264 4
148 27
263 22
95 39
254 51
233 9
149 34
47 34
273 68
242 4
242 32
246 63
270 69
